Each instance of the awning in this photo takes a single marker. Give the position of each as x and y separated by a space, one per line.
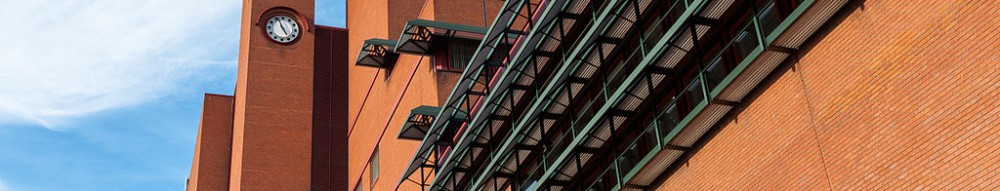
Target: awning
378 53
418 123
418 35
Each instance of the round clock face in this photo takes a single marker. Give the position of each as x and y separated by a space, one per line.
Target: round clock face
282 29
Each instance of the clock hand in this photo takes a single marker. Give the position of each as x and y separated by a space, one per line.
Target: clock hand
288 28
283 30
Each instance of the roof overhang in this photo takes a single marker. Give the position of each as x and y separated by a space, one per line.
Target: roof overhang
418 35
378 53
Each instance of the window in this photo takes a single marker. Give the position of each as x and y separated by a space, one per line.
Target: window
374 167
456 55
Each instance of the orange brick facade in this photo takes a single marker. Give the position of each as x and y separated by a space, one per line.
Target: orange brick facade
892 95
210 168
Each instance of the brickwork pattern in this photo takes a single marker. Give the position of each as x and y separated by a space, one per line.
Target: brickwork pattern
210 169
894 95
272 124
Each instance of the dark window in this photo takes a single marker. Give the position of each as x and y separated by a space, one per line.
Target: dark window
374 167
456 55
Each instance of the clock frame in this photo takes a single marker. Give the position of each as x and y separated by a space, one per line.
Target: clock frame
302 24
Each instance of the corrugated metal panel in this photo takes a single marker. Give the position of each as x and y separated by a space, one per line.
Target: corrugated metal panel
618 120
607 48
576 7
509 165
657 78
556 188
685 41
501 181
525 81
704 121
602 133
505 104
585 157
623 23
560 103
575 89
542 62
568 168
518 94
701 30
329 136
547 123
550 45
655 167
752 75
671 58
567 25
641 90
629 103
488 185
533 137
629 13
643 5
715 9
808 23
587 69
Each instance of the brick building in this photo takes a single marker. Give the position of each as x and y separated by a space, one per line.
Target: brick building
610 95
285 126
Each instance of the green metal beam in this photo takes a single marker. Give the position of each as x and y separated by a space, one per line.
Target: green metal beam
476 124
502 22
505 150
656 50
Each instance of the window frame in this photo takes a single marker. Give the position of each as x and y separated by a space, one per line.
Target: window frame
373 168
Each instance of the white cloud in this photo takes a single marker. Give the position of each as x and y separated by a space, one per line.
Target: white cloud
65 59
3 186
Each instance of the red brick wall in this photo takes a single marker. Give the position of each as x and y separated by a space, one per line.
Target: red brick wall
210 169
893 95
272 131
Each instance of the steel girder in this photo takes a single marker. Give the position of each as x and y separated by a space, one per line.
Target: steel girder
515 69
614 98
587 40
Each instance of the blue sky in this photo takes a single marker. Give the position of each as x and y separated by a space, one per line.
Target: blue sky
106 95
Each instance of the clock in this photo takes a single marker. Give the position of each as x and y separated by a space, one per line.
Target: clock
282 29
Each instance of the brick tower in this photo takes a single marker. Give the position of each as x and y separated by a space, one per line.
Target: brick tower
272 128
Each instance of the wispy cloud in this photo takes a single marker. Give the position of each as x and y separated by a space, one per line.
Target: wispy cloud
63 60
3 186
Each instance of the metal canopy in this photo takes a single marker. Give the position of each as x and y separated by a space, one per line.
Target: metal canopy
418 123
599 129
378 53
491 57
418 35
517 67
506 149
